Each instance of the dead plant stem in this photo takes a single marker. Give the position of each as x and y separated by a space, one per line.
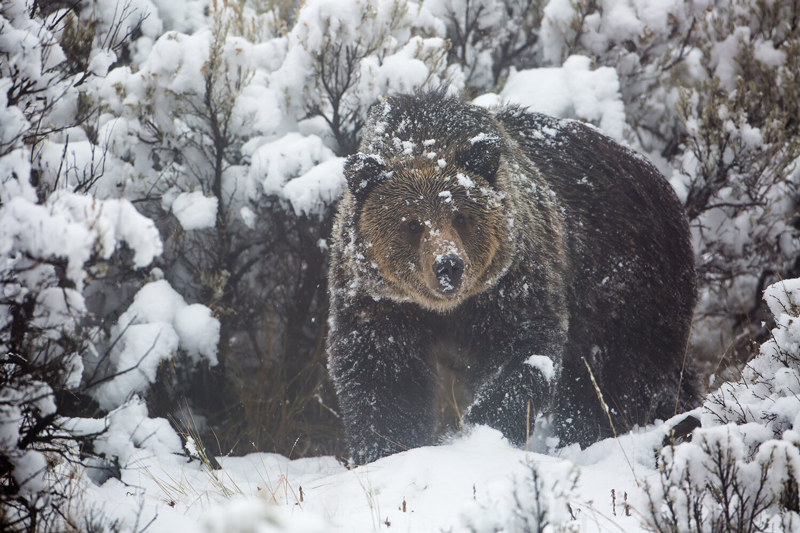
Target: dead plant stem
608 414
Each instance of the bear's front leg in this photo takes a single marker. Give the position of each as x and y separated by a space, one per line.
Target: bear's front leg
520 362
377 356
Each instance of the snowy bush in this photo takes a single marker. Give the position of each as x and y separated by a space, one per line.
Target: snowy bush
489 37
740 472
341 56
709 95
538 503
152 329
53 238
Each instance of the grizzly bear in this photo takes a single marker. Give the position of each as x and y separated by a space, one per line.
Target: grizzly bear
538 252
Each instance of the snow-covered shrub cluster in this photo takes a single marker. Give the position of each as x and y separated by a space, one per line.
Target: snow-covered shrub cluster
741 471
52 238
710 95
490 36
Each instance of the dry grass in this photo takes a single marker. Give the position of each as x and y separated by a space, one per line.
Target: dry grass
608 414
284 407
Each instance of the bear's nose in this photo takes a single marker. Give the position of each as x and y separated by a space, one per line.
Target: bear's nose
448 270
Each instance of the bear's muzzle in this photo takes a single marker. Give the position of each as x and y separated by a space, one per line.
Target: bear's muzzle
448 270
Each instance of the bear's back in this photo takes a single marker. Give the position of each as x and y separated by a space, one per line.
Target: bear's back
615 202
627 237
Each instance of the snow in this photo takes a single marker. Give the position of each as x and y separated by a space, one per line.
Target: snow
198 331
318 187
56 305
101 61
136 357
12 119
481 137
464 180
28 466
469 483
724 53
783 297
293 155
573 90
71 226
544 364
172 60
29 471
182 16
248 217
13 169
194 210
128 434
111 222
156 324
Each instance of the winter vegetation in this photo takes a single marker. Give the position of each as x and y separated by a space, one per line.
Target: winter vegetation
168 175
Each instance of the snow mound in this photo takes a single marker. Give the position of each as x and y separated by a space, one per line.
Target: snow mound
570 91
73 227
317 188
473 482
156 324
194 210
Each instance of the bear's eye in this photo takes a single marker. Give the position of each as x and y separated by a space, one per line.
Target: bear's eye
460 220
414 226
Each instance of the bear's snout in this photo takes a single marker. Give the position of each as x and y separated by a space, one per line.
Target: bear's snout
448 270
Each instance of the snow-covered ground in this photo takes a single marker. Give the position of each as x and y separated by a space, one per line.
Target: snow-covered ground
475 482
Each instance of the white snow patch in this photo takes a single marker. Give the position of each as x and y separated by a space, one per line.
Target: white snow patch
195 210
544 364
489 100
129 430
248 217
465 181
198 332
100 62
571 91
155 325
289 157
317 188
482 137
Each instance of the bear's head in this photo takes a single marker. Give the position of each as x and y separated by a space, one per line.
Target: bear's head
432 221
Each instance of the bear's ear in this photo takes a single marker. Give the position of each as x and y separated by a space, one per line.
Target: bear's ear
363 172
482 156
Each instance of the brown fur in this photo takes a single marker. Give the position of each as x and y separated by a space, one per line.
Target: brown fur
405 258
